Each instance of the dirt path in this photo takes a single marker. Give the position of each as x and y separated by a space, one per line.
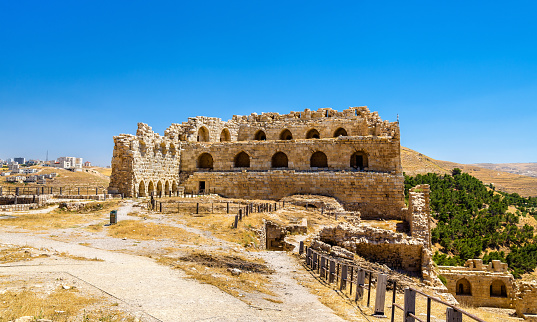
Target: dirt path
167 294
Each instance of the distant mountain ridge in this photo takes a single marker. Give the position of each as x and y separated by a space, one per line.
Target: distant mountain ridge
516 179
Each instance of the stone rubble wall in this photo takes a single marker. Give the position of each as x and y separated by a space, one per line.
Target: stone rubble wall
526 298
373 194
396 250
35 200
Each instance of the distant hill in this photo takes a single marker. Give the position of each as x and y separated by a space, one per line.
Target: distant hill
524 169
416 163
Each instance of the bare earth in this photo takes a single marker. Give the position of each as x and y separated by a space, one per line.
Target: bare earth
157 292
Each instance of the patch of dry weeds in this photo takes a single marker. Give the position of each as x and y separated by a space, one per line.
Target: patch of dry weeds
134 229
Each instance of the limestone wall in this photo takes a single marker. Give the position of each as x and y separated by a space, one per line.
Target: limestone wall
480 285
526 298
373 194
381 154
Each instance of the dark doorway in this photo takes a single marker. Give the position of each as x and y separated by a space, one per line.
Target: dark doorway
201 187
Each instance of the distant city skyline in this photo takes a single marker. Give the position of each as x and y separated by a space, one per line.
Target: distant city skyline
461 76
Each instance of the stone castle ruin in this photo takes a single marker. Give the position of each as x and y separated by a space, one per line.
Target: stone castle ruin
350 155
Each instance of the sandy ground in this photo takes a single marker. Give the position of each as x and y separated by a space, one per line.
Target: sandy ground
156 292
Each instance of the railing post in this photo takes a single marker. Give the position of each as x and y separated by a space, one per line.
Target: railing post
369 289
428 309
308 256
332 271
360 280
227 207
380 296
197 208
343 279
323 266
453 315
301 247
236 221
351 278
240 214
393 299
410 304
315 265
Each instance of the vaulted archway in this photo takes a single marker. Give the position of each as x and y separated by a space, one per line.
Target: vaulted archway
203 134
279 160
498 289
167 189
463 287
205 161
260 136
141 189
242 160
150 188
313 134
286 135
318 160
159 188
225 135
340 132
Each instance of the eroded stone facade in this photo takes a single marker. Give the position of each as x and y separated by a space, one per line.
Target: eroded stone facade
351 155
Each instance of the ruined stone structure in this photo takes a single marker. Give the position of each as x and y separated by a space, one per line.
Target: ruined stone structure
351 155
399 250
480 285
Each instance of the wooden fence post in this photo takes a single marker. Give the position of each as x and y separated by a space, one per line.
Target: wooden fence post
323 267
301 247
240 214
236 221
393 299
308 256
360 280
227 207
453 315
161 206
343 279
380 297
410 304
369 288
314 261
197 208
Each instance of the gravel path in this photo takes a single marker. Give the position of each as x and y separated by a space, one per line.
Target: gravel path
167 294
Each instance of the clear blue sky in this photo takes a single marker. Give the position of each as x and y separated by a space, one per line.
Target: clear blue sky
461 75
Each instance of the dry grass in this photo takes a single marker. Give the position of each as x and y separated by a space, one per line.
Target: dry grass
59 219
106 171
134 229
213 269
60 305
10 254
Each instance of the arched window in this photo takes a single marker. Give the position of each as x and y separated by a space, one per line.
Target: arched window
463 287
340 132
498 289
225 136
279 160
150 188
141 189
205 161
167 189
286 135
359 160
203 134
318 160
159 188
313 134
242 160
260 136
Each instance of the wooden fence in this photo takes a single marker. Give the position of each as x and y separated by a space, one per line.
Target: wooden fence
343 274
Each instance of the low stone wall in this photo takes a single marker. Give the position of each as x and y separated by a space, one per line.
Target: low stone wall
526 298
85 197
39 200
19 207
375 195
396 250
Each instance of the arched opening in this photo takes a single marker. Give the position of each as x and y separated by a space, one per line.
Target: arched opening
203 134
163 148
340 132
205 161
286 135
463 287
279 160
242 160
167 189
225 135
260 136
318 160
172 150
359 160
174 188
498 289
150 188
313 134
159 189
141 189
